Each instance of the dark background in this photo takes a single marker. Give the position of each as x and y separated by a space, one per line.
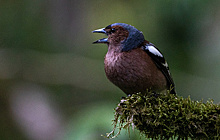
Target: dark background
52 80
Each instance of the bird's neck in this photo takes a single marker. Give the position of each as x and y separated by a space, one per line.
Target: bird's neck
114 48
118 48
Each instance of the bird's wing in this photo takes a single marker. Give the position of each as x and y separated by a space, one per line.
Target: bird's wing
161 63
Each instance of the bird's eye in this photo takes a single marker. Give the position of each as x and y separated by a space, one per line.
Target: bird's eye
113 30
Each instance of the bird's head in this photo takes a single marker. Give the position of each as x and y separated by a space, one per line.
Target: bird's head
122 35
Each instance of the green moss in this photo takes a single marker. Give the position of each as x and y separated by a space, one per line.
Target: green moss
168 116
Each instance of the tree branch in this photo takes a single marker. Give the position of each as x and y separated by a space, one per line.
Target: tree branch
164 116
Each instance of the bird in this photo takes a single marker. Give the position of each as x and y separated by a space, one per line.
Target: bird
132 63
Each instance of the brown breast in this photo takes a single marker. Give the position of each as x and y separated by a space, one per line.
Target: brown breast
133 71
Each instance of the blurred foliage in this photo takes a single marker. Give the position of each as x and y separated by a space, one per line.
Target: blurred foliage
46 50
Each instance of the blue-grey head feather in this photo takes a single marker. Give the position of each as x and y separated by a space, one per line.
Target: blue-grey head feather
134 39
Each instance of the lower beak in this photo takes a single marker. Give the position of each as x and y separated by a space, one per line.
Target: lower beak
103 40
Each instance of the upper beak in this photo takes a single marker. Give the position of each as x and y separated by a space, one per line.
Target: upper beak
104 40
100 31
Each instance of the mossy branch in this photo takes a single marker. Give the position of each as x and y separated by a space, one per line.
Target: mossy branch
165 116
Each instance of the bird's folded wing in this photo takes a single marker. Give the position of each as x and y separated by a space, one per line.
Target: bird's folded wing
160 62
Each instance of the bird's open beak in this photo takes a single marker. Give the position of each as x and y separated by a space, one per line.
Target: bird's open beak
103 40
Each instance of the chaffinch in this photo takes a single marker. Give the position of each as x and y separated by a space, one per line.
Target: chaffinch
133 63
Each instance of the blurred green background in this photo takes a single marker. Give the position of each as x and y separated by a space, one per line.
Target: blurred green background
52 80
